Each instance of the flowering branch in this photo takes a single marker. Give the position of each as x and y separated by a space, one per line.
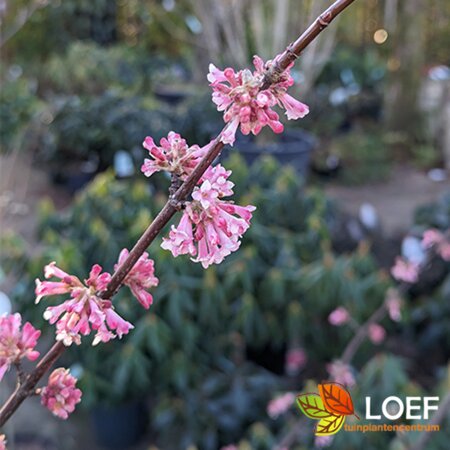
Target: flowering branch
360 336
90 305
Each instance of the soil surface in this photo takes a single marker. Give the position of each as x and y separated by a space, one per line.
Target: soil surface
395 199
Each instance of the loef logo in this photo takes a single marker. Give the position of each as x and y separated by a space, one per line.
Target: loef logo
334 403
330 407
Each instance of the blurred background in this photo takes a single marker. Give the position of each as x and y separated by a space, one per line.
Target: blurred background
341 194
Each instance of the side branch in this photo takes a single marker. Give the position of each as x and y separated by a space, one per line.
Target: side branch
26 389
294 50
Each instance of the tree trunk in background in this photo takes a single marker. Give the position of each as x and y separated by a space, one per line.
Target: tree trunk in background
401 95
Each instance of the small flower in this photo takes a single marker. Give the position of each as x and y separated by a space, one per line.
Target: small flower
210 228
341 373
280 405
339 316
393 304
140 278
239 95
376 333
431 238
173 155
404 270
16 343
435 239
230 447
61 395
3 442
205 195
295 360
444 251
323 441
85 310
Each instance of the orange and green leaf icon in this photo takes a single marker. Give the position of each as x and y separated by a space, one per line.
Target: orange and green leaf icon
329 408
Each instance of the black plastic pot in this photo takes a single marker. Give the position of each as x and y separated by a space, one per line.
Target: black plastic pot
170 96
74 175
294 148
120 427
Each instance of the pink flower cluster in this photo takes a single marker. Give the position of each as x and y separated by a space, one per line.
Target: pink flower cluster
438 241
405 270
323 441
2 442
61 395
140 278
296 359
341 373
376 333
16 342
280 405
339 316
239 95
85 311
173 155
210 227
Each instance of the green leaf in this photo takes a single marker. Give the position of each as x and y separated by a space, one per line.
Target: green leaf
311 405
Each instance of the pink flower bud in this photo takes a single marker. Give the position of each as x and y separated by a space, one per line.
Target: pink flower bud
173 155
210 228
232 92
85 310
61 395
280 405
339 316
406 271
323 441
2 442
16 343
341 373
140 278
376 333
295 360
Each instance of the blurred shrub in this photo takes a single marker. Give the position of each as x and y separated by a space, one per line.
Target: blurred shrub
435 215
55 24
87 68
18 104
364 156
95 128
431 310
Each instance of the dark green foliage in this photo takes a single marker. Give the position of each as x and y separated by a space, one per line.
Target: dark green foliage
18 104
365 156
435 215
96 128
